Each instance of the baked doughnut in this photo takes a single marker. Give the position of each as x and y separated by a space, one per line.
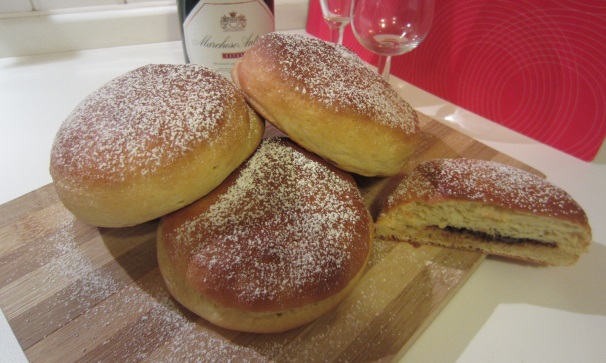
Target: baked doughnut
149 142
279 243
485 206
327 100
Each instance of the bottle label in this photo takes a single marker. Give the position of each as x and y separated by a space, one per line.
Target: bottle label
217 33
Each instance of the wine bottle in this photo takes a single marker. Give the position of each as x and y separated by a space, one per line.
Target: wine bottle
216 33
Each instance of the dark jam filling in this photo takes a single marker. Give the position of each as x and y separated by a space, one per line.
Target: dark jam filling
499 238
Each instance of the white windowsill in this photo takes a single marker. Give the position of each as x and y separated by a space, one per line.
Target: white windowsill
54 31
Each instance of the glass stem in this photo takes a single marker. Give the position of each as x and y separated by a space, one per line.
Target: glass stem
336 34
384 66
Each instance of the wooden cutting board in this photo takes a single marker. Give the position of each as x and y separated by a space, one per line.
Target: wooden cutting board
73 292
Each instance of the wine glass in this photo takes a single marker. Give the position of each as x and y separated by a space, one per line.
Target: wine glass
391 27
336 14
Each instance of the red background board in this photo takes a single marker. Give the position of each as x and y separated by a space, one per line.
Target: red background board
537 67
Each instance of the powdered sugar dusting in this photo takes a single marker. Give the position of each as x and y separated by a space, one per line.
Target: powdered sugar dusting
80 310
72 265
161 332
339 79
287 226
488 182
141 120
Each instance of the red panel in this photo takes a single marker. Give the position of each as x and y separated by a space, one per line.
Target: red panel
537 67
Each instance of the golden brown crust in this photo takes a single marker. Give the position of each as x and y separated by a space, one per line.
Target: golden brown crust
486 182
286 232
327 100
149 142
485 206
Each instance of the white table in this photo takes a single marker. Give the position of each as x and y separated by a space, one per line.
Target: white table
506 312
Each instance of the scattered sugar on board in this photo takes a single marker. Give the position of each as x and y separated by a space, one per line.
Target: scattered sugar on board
488 182
70 270
72 265
164 332
338 78
294 235
143 119
98 302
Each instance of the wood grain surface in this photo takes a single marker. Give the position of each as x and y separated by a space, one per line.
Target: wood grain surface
73 292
